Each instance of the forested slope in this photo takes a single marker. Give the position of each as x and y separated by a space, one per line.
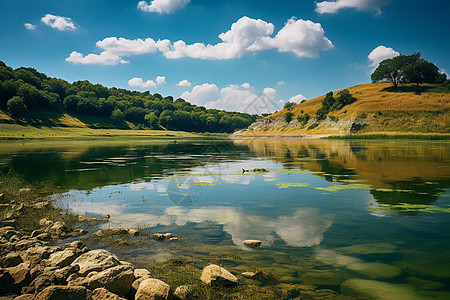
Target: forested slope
28 97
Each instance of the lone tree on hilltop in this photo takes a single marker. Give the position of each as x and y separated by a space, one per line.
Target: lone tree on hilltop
407 68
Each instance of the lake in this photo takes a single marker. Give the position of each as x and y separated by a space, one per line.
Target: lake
368 219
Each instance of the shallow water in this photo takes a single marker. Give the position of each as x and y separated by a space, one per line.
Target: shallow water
368 219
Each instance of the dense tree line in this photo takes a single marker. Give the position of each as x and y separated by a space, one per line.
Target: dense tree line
25 89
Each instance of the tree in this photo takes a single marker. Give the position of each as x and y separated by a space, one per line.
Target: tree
288 116
406 68
16 106
422 72
152 120
289 105
117 116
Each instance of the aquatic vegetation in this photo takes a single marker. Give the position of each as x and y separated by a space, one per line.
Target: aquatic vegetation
370 248
335 188
292 184
376 270
406 207
371 289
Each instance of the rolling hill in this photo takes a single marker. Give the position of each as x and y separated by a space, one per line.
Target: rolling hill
378 108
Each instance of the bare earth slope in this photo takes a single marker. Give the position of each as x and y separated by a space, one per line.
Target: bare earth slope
378 109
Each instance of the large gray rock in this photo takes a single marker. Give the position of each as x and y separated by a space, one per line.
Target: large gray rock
57 228
153 289
218 276
117 279
61 292
62 258
96 260
35 255
104 294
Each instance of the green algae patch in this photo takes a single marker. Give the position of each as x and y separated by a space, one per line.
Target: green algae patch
406 207
288 171
336 188
371 248
371 289
292 184
376 270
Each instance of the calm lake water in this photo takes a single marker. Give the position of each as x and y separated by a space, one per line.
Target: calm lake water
369 219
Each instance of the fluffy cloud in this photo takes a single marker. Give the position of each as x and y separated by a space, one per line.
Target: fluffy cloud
160 80
233 98
201 94
303 38
297 99
58 22
125 47
243 33
184 83
139 82
379 54
105 58
332 7
162 6
29 26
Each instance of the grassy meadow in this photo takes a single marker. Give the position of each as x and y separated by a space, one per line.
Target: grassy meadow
411 109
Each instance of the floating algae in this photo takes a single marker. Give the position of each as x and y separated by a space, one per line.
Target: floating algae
292 184
335 188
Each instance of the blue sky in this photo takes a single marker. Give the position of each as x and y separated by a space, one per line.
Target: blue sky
221 54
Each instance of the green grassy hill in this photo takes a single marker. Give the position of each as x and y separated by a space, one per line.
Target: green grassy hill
378 109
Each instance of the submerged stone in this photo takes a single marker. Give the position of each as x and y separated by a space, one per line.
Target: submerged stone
376 270
371 289
321 277
371 248
424 284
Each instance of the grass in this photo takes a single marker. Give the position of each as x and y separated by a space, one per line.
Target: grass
390 136
408 109
16 204
27 132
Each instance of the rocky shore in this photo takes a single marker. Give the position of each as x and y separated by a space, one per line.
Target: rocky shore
32 268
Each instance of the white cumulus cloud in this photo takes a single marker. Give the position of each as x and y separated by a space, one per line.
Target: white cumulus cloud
30 26
243 33
58 22
201 94
246 85
160 80
303 38
184 83
332 7
162 6
297 98
125 47
105 58
233 98
379 54
139 82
